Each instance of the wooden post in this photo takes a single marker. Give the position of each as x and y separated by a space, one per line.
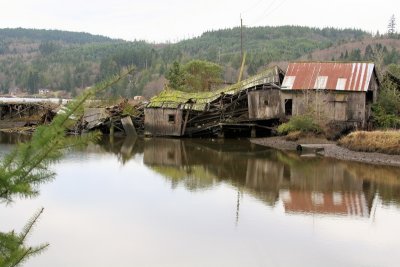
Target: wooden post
112 132
221 133
253 132
128 126
186 119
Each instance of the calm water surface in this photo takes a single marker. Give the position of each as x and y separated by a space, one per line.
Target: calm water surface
169 202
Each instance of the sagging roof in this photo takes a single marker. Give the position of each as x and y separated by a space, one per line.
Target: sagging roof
170 98
342 76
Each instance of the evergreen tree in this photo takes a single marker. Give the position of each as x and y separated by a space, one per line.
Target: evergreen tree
33 81
176 76
369 53
355 55
392 26
346 55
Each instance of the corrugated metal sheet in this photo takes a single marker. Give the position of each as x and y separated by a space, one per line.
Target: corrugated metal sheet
328 75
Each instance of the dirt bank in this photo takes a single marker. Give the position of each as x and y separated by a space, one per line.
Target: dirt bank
331 150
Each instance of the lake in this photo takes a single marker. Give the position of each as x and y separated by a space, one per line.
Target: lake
181 202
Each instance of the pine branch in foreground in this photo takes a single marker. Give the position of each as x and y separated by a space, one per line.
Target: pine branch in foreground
13 251
28 165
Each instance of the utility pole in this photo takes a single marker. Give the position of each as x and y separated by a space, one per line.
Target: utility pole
241 37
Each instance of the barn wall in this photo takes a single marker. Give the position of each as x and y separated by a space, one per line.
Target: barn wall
157 122
264 104
328 105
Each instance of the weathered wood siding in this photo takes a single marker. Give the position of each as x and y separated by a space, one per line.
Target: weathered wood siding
342 106
163 152
264 104
158 122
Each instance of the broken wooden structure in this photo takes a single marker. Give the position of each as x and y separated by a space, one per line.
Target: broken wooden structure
233 110
120 119
24 116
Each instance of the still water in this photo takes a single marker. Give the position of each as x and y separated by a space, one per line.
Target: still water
169 202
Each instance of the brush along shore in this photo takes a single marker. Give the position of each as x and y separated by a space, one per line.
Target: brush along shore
379 147
387 142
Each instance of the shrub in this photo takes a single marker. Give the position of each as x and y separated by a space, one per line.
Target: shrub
378 141
386 112
302 123
385 120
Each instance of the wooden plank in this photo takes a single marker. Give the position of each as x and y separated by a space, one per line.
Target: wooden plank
128 126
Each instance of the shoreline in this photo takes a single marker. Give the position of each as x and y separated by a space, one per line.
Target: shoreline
331 150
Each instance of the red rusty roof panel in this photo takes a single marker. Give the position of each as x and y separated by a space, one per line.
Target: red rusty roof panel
328 75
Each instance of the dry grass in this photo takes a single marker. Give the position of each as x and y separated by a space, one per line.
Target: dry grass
387 142
294 136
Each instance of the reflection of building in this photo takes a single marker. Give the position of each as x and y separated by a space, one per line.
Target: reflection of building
318 185
338 203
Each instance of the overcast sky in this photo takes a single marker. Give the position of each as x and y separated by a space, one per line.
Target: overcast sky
172 20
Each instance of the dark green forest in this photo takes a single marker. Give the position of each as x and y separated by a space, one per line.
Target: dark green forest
69 62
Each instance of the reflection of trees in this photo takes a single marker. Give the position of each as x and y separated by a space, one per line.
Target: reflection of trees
265 173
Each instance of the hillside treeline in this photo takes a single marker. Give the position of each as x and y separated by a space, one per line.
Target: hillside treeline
67 61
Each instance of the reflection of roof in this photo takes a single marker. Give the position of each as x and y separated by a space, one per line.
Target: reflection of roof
339 203
176 99
328 75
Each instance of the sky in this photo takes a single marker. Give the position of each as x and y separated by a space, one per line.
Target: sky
174 20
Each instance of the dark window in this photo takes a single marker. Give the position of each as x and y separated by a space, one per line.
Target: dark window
171 155
288 107
266 102
369 97
171 118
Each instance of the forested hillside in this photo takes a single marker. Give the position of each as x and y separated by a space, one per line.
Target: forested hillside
69 62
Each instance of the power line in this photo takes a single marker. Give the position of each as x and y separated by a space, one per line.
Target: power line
265 10
267 13
252 7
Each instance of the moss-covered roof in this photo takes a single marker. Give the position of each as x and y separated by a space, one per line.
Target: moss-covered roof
170 98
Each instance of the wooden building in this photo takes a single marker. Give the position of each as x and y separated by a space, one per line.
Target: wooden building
332 91
178 113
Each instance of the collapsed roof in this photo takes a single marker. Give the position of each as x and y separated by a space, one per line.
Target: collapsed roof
170 98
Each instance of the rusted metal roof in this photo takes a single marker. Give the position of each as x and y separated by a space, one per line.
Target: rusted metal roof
328 75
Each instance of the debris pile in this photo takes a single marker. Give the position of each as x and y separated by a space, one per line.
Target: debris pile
120 119
24 116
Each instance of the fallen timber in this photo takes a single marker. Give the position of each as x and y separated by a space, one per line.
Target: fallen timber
225 112
124 118
18 116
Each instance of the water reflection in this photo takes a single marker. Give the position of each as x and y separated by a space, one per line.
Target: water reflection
312 186
177 199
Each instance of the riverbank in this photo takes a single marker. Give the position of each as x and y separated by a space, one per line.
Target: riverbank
331 149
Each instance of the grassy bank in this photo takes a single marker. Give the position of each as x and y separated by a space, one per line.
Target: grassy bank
378 141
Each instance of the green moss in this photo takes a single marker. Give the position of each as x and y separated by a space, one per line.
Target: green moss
169 98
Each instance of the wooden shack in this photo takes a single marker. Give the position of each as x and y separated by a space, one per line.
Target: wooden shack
332 91
163 121
178 113
265 104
